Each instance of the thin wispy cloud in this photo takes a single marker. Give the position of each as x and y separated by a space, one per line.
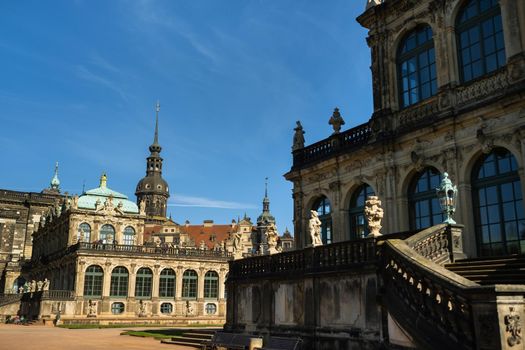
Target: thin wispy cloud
84 73
104 64
201 202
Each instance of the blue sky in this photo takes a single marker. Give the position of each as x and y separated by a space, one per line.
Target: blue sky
79 81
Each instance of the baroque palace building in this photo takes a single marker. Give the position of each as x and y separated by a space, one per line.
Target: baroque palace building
448 80
100 257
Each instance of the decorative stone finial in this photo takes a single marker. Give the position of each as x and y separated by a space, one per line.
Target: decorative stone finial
336 121
103 180
298 137
374 215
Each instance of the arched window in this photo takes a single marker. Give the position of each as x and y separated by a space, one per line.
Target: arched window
423 202
323 208
498 205
358 226
107 234
129 236
84 232
417 67
211 285
189 284
119 282
117 308
167 283
93 281
481 47
143 283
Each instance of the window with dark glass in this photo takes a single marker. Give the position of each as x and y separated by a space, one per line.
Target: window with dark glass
211 285
498 205
167 283
189 284
128 236
93 281
358 226
117 308
84 232
107 234
119 282
425 210
143 283
323 208
211 309
166 308
417 67
480 38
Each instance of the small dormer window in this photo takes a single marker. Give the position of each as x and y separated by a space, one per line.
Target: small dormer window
159 187
147 186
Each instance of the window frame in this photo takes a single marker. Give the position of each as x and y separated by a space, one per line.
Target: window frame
211 285
190 284
325 217
143 283
355 211
93 279
119 283
477 22
167 283
416 52
429 197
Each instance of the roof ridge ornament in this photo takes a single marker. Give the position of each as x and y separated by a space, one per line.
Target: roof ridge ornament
103 180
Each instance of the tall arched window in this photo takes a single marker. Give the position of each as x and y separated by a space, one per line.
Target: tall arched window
417 67
107 233
498 205
129 236
84 232
143 283
119 282
93 281
480 38
167 283
323 208
211 285
422 199
189 284
358 226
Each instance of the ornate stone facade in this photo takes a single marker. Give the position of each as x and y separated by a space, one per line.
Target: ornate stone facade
450 131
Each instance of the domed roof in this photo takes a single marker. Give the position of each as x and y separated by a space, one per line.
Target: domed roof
89 199
153 184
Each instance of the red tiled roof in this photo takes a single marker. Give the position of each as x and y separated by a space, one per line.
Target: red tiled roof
200 233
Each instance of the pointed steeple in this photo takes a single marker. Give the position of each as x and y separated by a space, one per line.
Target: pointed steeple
55 182
153 189
155 147
265 217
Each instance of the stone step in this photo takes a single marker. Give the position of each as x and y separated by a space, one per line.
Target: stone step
205 336
188 339
177 342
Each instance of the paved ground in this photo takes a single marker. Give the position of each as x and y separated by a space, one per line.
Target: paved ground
14 337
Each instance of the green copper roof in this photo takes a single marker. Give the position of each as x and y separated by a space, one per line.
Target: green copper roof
89 199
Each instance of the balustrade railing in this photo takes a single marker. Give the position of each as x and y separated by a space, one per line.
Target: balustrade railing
333 145
430 302
331 257
440 244
136 249
6 299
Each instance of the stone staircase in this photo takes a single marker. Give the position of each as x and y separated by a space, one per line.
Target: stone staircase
193 337
494 270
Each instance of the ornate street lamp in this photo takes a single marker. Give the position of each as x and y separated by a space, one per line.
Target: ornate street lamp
447 195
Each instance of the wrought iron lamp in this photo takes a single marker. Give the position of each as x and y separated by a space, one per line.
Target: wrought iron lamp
447 194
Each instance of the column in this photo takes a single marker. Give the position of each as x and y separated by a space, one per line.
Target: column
155 305
200 284
511 27
132 280
178 283
79 281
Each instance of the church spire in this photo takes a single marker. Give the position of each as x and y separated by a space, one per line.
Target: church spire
155 147
266 217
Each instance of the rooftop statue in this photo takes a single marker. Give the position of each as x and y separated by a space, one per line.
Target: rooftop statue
298 137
